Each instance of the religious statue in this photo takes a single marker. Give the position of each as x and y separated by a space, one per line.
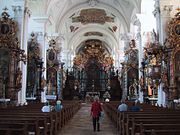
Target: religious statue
141 83
106 95
133 88
18 78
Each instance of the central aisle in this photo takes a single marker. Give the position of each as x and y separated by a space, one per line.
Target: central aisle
81 124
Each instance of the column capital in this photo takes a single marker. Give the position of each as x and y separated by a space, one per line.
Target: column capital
17 10
27 11
166 10
156 11
56 36
136 21
126 37
138 36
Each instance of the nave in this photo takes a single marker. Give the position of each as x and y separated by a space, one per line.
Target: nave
74 119
73 50
81 124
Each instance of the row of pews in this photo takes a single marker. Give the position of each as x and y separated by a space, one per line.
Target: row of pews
152 120
29 120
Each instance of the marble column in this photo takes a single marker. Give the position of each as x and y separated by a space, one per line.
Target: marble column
162 15
21 15
165 18
140 55
157 15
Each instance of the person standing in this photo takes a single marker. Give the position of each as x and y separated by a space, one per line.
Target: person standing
95 113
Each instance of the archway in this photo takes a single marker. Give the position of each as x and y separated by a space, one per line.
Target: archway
92 70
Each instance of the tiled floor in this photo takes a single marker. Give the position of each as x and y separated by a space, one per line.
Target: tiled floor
81 124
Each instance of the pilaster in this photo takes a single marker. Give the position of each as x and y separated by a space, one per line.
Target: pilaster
41 33
157 15
21 15
165 17
140 53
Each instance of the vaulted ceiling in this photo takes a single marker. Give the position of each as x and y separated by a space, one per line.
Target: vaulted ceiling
82 20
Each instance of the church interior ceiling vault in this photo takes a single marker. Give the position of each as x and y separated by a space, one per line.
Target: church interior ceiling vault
71 17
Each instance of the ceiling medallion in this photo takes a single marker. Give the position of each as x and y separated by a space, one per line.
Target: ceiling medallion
93 15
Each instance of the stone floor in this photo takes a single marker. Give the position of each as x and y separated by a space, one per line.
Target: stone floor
81 124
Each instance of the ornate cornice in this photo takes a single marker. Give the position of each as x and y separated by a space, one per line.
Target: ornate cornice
93 15
126 37
166 10
136 21
156 11
27 11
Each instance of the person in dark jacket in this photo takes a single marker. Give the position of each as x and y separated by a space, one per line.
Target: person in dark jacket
95 113
136 107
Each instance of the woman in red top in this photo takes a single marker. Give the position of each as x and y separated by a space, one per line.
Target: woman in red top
95 113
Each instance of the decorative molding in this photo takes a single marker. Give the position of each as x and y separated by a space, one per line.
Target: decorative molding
126 37
42 19
93 33
16 9
27 11
156 11
93 16
73 28
8 28
137 22
167 10
138 36
174 31
92 3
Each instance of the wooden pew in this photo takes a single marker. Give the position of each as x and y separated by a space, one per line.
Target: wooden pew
150 114
40 122
13 129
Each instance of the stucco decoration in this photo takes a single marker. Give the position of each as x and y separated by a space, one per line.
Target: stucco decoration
93 15
93 33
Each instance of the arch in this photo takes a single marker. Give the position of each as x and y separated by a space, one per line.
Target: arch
77 37
104 43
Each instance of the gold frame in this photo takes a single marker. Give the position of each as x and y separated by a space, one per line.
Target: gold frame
174 29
